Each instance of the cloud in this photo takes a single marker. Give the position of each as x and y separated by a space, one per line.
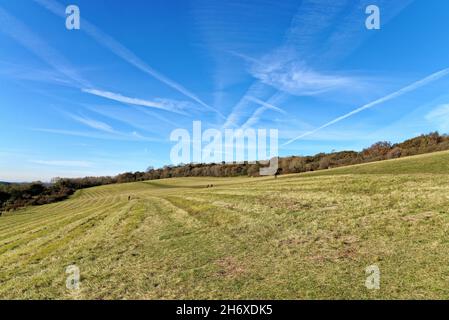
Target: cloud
97 125
238 112
124 53
63 163
320 33
433 77
440 116
296 78
117 136
311 20
265 104
185 107
257 114
142 118
92 123
162 104
347 35
286 68
287 71
29 73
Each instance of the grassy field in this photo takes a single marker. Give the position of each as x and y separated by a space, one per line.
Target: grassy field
297 237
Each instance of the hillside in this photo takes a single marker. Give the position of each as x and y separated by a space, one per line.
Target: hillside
431 163
14 196
300 236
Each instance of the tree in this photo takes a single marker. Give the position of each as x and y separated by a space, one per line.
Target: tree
377 151
35 189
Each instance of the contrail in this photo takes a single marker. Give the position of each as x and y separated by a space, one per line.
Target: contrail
264 104
409 88
120 98
123 52
255 117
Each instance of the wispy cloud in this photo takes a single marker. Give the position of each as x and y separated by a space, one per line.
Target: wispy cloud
239 111
92 123
117 136
433 77
265 104
184 107
136 117
162 104
296 78
287 67
303 64
29 73
311 20
107 131
257 114
218 26
347 35
440 116
63 163
121 51
283 68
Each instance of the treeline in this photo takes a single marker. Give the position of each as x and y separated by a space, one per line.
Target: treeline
13 196
295 164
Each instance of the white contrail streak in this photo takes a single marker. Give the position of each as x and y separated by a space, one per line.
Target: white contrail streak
135 101
255 117
409 88
264 104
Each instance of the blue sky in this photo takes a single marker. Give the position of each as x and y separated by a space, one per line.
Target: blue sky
104 99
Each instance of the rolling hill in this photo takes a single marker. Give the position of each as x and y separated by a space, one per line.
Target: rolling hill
297 237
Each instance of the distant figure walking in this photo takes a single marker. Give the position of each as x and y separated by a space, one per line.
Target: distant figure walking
129 198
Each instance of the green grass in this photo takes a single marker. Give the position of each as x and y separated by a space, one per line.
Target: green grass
297 237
